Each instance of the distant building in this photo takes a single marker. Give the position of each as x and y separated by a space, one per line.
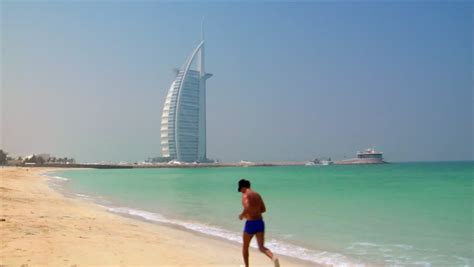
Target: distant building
14 162
43 156
183 121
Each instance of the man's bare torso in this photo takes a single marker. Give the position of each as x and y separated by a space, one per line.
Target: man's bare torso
253 204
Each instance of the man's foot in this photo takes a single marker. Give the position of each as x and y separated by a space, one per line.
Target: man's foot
276 262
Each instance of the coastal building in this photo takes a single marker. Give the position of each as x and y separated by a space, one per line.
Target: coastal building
183 121
43 156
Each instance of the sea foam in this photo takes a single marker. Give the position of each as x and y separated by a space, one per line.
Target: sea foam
55 177
277 246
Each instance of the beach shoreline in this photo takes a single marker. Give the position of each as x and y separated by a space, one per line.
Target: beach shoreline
41 226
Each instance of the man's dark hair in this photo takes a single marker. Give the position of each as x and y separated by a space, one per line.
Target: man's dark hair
243 183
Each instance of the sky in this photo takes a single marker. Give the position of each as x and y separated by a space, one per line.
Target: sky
291 80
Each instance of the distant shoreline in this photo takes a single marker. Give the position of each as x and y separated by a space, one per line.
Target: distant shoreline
209 165
182 165
163 165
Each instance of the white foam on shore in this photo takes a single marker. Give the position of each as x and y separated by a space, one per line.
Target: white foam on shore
60 178
55 177
85 197
279 247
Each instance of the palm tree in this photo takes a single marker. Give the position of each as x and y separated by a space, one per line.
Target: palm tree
32 159
3 157
40 160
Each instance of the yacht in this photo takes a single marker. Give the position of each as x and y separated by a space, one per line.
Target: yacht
368 156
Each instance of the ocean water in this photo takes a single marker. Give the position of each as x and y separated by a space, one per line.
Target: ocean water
417 214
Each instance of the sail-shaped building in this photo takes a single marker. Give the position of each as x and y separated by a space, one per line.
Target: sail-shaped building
183 121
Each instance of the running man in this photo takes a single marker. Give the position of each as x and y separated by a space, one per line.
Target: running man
253 209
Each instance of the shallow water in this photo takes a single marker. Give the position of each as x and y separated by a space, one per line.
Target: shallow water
394 214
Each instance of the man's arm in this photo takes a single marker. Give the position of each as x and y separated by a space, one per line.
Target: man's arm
245 204
263 205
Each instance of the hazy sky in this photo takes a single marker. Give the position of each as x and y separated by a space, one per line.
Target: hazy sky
292 81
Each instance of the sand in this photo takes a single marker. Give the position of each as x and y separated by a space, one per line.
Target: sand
39 226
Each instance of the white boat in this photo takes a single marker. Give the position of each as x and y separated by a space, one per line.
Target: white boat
368 156
325 162
319 162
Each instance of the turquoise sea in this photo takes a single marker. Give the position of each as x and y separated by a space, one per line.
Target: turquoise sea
417 214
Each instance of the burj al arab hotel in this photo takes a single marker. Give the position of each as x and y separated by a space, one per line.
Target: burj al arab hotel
183 121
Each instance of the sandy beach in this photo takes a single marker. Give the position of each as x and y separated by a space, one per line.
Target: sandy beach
39 226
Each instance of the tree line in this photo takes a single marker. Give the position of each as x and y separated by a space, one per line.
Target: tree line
4 159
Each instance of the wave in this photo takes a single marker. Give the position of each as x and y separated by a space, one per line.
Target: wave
398 255
85 197
60 178
277 246
55 177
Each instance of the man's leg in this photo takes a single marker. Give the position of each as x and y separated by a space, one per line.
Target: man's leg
245 248
261 246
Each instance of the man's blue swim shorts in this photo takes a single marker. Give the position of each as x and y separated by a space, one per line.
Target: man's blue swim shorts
254 226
